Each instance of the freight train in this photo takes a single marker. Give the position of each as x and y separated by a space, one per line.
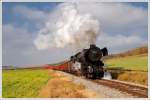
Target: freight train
86 63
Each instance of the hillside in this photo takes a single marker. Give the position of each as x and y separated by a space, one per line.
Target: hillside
135 59
136 51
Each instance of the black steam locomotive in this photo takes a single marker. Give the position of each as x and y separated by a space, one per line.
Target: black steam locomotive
90 60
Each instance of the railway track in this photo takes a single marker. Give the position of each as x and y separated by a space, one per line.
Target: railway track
132 89
135 90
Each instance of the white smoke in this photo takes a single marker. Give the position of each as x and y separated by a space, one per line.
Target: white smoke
107 75
72 29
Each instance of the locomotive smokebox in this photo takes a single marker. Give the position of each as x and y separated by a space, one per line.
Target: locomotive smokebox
95 53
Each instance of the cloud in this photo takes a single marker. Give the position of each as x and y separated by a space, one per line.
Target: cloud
123 27
116 17
16 37
16 41
30 13
18 49
120 43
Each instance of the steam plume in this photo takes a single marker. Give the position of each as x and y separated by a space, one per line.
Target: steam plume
71 29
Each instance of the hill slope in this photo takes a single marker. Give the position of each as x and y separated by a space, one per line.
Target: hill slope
136 59
136 51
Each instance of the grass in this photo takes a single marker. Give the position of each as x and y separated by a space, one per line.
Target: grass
136 62
24 83
29 83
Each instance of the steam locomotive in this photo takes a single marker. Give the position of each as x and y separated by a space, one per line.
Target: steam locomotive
90 60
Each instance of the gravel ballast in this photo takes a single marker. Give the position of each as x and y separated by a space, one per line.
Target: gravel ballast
97 88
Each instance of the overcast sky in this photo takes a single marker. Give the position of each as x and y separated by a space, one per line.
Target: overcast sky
123 26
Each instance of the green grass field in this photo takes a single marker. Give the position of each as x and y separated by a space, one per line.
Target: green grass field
136 62
24 83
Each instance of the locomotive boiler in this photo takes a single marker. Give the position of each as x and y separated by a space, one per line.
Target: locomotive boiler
90 60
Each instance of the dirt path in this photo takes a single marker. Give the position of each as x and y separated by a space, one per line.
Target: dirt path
61 86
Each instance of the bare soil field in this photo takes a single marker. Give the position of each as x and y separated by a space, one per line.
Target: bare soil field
62 87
